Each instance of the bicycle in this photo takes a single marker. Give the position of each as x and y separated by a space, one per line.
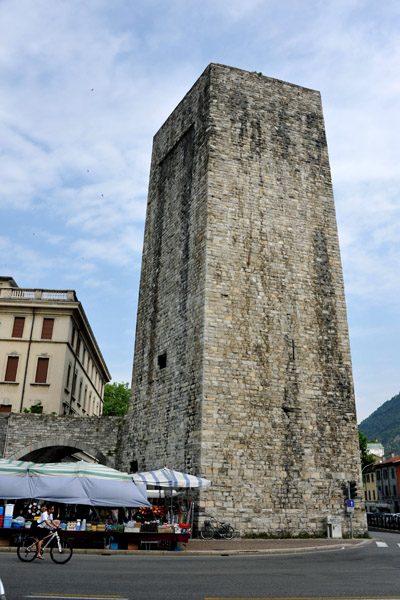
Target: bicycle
60 549
213 528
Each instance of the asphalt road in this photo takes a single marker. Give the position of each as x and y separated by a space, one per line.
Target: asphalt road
370 571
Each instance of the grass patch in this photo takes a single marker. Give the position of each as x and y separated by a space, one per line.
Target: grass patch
361 536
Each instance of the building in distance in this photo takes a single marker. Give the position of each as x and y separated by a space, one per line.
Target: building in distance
49 357
387 475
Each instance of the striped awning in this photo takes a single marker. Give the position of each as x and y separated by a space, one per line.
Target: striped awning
170 478
14 467
71 483
78 469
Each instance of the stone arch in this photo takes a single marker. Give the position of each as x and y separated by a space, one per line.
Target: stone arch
57 442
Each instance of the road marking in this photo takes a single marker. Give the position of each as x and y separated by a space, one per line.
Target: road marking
76 597
304 598
50 595
381 544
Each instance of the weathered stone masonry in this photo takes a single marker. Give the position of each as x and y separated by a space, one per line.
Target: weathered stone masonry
242 369
22 435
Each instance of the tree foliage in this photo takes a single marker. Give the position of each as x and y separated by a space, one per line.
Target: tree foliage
116 399
366 458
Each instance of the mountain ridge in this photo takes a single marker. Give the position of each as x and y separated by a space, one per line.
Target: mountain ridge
384 425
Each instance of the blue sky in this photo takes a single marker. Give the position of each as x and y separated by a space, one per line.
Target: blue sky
84 86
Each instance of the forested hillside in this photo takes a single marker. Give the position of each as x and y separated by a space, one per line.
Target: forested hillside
384 426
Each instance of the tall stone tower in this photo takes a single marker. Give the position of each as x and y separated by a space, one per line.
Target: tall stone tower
242 369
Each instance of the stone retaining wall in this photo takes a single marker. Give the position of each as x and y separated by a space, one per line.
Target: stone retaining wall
22 434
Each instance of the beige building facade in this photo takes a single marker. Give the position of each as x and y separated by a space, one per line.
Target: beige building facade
49 357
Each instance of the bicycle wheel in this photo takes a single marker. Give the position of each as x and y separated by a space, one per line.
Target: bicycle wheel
61 551
207 532
27 549
228 532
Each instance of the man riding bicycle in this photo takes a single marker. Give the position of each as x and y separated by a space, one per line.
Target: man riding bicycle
43 525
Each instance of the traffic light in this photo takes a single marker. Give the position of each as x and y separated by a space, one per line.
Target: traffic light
353 489
345 491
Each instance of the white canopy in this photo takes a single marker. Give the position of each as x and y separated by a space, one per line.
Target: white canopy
71 483
170 478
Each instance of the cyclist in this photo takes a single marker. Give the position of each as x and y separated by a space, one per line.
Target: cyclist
43 524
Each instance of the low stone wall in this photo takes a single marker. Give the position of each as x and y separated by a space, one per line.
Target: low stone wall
21 434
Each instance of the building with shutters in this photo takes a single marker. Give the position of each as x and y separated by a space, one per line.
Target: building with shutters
387 475
49 357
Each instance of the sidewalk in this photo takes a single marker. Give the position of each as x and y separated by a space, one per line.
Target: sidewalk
234 547
268 546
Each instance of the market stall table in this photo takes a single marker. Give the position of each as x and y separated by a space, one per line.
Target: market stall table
103 539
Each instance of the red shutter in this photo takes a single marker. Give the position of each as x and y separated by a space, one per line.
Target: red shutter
41 370
18 328
47 329
12 366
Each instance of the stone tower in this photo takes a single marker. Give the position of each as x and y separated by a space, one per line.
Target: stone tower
242 369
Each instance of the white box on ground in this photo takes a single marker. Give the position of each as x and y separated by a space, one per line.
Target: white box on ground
334 526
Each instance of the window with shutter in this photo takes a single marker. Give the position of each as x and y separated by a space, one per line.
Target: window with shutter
41 370
18 328
68 376
11 369
47 329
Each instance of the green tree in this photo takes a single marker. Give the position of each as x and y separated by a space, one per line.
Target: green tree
116 399
366 458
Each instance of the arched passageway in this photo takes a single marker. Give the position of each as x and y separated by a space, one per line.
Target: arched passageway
53 451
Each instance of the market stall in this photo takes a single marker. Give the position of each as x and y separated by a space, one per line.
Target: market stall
169 480
81 487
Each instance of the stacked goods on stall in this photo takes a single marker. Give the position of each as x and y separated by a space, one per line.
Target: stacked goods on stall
8 513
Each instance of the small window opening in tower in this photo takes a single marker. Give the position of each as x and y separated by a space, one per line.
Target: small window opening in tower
162 360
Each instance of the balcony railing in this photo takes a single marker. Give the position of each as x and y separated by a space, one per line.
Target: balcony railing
34 294
383 521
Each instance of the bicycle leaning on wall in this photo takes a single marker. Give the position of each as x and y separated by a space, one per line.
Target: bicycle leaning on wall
212 528
60 549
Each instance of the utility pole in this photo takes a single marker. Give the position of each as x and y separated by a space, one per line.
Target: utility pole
350 512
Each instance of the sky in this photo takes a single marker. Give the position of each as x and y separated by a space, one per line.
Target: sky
84 86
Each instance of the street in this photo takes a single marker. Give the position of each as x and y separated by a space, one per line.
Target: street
370 571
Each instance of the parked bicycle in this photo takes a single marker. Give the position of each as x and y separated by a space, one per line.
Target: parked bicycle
60 549
212 528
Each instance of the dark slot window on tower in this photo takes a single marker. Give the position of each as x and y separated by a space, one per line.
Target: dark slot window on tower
162 360
18 328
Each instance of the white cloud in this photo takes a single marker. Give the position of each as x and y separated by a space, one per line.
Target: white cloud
121 249
85 85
